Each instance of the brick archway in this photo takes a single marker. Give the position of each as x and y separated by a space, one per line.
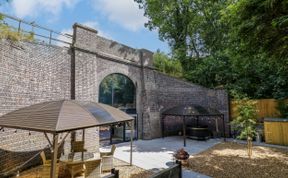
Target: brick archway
134 82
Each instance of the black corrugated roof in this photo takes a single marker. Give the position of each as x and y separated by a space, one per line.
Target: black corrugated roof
191 110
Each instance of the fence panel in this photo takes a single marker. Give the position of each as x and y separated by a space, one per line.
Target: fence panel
265 107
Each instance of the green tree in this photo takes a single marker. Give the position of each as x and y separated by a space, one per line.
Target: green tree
211 72
167 65
192 27
282 107
246 120
118 88
259 26
226 43
247 117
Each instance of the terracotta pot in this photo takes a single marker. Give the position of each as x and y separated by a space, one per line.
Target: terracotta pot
184 162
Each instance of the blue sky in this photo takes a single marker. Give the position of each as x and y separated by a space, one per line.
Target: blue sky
119 20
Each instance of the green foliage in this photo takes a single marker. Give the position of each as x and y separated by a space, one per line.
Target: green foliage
246 119
282 107
259 25
10 33
240 45
182 24
118 87
167 65
210 71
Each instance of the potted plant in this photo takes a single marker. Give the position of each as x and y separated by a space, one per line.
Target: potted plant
182 156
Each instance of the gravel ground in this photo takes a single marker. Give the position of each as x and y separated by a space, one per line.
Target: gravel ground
127 171
229 160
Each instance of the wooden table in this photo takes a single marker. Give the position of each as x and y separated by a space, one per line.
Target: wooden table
79 156
74 162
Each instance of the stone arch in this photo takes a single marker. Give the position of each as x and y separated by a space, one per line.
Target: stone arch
103 75
136 80
133 82
132 75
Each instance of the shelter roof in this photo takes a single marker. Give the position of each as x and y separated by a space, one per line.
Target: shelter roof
191 110
62 116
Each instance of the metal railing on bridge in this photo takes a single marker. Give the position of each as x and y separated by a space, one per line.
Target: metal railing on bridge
40 33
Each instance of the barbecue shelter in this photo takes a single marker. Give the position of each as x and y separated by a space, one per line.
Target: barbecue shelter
196 112
64 116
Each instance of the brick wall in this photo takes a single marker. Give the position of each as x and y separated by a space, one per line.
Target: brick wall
30 73
165 92
97 57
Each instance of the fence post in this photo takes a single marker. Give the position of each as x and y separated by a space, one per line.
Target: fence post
115 172
19 26
180 168
50 37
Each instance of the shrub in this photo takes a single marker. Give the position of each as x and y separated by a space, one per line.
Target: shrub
282 107
246 120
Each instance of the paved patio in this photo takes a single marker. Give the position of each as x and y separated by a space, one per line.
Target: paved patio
157 154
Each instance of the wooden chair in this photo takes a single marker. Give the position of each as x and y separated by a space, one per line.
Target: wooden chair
44 160
108 153
92 168
75 168
47 166
107 159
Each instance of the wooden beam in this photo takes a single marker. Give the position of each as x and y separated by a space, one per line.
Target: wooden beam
49 141
54 156
184 130
131 141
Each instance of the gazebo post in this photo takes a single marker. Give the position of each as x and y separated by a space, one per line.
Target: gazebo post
184 130
124 131
224 132
162 124
54 156
110 130
83 139
131 141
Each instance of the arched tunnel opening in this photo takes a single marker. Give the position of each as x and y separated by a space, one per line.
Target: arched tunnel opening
119 91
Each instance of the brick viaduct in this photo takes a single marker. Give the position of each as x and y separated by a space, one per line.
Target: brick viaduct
32 72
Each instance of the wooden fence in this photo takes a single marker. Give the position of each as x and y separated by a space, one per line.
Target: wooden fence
265 107
174 171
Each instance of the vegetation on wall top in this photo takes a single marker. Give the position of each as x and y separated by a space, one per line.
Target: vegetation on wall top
240 45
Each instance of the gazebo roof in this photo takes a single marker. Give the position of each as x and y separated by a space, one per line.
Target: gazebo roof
62 116
191 110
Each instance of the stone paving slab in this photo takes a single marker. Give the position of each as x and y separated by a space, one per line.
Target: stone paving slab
157 154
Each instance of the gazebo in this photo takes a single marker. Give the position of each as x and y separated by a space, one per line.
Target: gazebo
55 117
192 112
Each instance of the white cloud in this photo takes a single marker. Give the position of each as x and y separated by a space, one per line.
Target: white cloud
23 8
124 12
